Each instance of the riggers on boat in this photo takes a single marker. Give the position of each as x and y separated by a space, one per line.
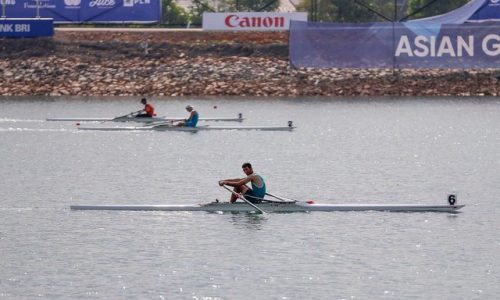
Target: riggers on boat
133 118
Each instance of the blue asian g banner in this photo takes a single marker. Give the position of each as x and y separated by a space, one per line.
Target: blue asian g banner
394 45
87 11
26 27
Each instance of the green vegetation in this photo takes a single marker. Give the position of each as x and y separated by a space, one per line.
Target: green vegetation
348 11
196 11
173 14
437 8
341 11
351 11
252 5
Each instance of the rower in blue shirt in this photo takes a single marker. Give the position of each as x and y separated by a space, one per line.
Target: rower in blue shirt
254 194
192 120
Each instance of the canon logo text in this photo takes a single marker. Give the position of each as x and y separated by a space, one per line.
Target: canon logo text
233 21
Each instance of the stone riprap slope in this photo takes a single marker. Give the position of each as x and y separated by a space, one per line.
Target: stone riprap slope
201 63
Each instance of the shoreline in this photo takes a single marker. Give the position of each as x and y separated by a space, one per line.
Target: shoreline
156 99
204 64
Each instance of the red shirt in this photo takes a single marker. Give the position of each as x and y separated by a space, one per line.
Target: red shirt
150 110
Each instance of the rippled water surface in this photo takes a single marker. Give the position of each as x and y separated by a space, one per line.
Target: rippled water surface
353 151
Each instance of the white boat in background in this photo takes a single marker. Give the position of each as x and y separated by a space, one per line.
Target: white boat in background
276 206
134 118
171 127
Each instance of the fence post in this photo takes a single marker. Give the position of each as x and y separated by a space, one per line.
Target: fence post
38 9
3 8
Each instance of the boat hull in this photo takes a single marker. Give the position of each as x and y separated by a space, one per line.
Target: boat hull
276 207
189 129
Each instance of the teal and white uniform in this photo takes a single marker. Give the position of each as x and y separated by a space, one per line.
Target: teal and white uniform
193 121
256 193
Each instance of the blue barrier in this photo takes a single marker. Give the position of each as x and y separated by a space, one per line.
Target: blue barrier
398 45
87 11
26 27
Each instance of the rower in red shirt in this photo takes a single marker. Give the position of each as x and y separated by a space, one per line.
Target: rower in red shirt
148 111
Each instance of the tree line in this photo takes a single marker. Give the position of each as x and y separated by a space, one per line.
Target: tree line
342 11
173 14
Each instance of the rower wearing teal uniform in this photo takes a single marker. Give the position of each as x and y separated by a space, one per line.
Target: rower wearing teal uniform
192 120
254 194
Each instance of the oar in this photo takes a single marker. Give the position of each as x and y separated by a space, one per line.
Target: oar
129 114
282 198
154 124
244 199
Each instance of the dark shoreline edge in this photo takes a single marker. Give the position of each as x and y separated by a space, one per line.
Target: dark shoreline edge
214 99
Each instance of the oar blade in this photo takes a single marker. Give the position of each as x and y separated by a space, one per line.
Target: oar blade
246 201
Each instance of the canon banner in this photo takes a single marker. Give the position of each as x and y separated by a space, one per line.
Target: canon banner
250 21
387 45
87 11
26 27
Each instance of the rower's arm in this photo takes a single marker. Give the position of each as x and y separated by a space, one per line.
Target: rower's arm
190 116
236 182
228 181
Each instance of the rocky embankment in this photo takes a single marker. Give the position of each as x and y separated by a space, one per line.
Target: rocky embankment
200 63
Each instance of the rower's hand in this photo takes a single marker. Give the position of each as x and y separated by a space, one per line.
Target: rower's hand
221 182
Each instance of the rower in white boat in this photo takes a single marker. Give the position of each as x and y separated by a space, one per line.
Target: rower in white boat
148 111
192 120
254 194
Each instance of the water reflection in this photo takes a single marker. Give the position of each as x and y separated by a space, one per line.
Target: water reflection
253 221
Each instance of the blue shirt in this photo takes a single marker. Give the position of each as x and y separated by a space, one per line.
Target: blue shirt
259 192
193 120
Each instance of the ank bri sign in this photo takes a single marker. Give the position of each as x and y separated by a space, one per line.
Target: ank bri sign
26 27
250 21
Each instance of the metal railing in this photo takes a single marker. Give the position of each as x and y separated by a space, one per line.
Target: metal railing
4 9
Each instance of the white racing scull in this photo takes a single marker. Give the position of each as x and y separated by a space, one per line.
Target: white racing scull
171 127
281 206
134 118
277 207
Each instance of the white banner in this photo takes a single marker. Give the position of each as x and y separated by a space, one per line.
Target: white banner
250 21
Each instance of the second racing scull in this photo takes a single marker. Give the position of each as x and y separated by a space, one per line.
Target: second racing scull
171 127
134 118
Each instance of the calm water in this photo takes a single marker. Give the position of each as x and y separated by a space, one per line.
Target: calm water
362 151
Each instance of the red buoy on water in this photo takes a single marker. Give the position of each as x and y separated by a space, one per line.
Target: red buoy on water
77 124
310 202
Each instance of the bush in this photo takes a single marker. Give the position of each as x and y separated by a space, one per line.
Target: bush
173 14
437 8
